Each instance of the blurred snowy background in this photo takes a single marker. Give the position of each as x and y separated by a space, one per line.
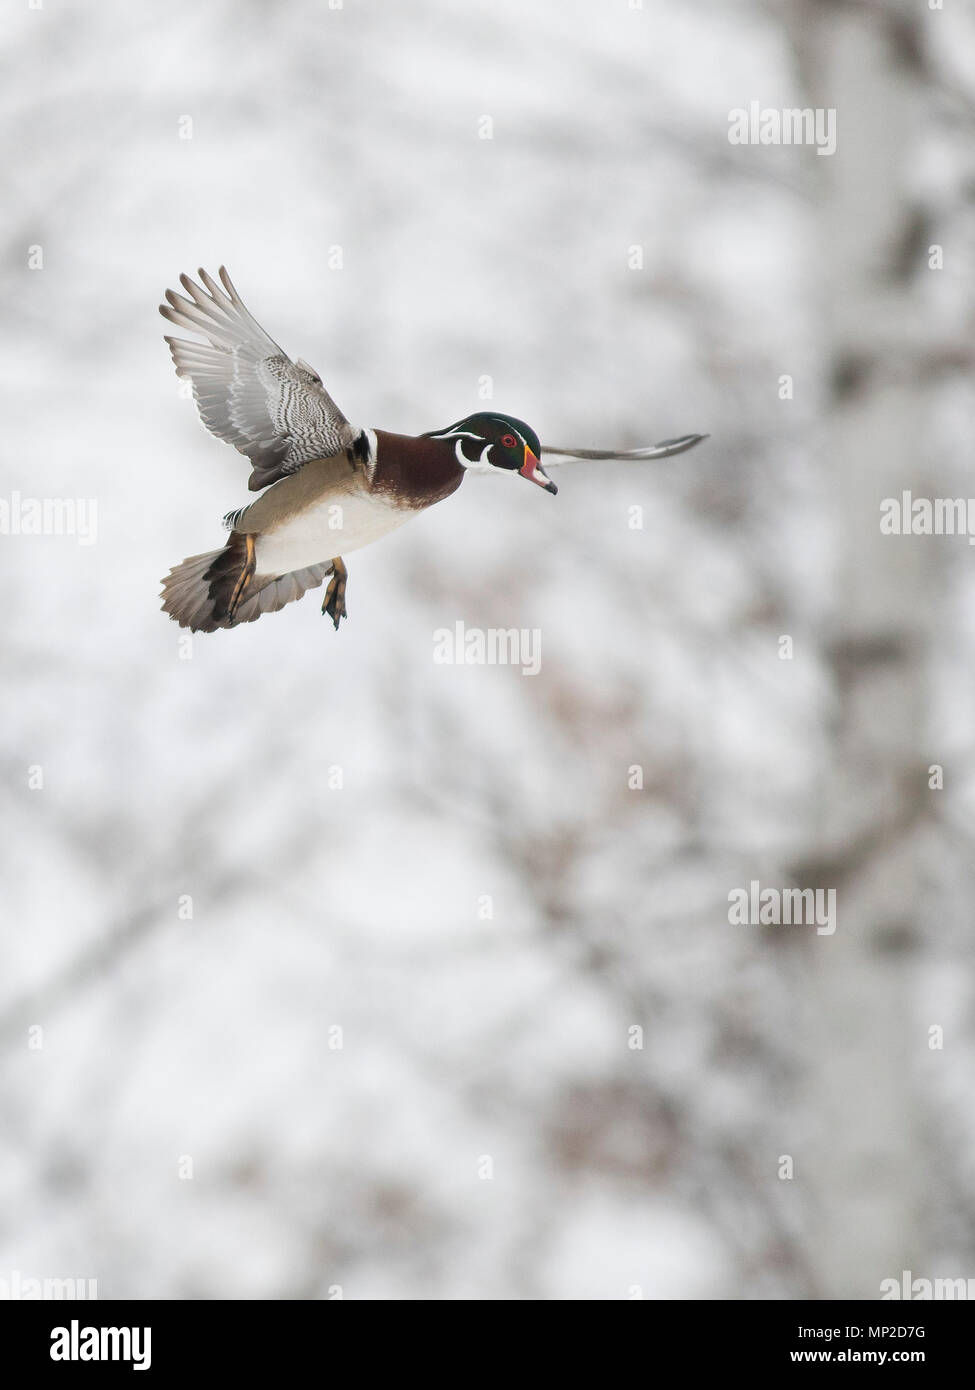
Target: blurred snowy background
265 1036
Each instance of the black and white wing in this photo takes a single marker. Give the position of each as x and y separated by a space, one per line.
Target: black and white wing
247 389
663 450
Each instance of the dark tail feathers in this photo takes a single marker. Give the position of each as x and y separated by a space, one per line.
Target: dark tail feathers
199 593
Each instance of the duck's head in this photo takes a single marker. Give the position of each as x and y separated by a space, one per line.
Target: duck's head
486 442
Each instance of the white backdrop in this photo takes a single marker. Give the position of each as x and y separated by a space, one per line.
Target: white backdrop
378 1038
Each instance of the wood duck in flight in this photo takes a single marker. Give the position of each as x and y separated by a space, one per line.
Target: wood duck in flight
329 485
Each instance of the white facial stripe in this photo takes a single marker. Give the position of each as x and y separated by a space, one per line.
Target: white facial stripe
462 458
454 434
483 461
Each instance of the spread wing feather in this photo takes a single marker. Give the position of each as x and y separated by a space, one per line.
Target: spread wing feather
247 389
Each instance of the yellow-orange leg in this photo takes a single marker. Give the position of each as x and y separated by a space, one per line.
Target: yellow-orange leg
245 576
334 602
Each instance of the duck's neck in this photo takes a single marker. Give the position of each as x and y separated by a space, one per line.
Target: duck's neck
420 470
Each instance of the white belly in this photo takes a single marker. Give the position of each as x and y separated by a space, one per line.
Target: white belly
343 523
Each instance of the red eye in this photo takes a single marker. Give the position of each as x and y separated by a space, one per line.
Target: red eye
509 441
